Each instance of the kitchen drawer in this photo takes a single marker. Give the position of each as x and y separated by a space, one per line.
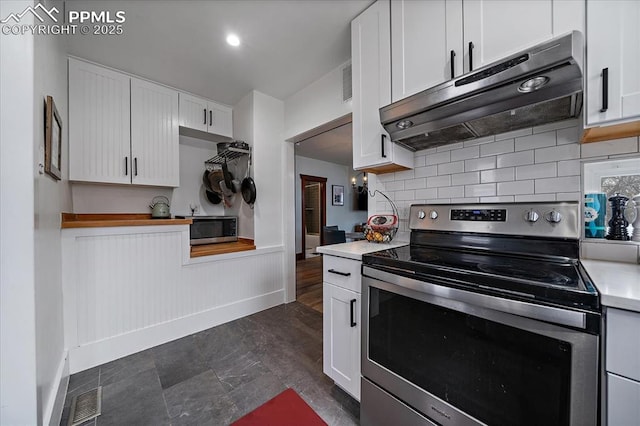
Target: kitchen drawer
623 343
342 272
623 397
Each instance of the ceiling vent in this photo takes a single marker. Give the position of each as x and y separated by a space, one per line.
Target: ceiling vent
346 83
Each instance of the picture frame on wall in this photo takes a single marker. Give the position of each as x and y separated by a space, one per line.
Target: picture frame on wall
337 192
52 141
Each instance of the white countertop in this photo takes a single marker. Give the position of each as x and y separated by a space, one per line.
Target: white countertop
356 249
618 283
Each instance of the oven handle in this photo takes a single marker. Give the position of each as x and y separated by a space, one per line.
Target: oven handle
515 307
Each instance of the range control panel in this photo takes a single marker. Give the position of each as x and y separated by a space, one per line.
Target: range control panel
486 215
558 219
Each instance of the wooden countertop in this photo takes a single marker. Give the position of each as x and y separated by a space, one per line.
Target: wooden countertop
91 220
242 244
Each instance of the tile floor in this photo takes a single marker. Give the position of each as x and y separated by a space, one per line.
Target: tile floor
218 375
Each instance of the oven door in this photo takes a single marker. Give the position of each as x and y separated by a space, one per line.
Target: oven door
464 358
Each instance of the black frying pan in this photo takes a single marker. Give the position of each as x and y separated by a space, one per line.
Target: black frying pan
248 189
213 197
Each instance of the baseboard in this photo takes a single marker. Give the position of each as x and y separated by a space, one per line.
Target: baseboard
52 412
97 353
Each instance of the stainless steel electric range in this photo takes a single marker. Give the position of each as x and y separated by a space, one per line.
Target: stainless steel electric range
487 317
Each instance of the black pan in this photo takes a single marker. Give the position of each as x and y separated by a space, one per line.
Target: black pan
248 190
213 197
205 180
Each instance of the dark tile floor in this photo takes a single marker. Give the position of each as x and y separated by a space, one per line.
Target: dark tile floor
218 375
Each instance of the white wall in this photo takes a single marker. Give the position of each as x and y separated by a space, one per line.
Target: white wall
343 216
50 198
542 163
18 398
316 104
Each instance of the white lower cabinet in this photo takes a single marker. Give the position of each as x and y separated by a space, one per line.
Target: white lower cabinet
341 322
623 367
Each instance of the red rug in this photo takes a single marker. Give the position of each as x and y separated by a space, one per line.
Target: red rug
283 410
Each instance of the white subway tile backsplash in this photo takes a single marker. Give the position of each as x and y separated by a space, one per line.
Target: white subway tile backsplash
419 161
569 167
556 153
425 151
387 177
540 140
514 134
405 195
405 174
553 185
618 146
500 147
439 201
538 197
497 175
568 196
449 147
415 183
438 181
500 199
427 193
466 200
515 188
481 190
451 192
480 164
515 159
479 141
450 168
397 185
426 171
568 135
465 153
605 250
465 178
536 171
438 158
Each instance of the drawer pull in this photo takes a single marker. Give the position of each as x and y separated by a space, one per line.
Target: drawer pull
353 310
344 274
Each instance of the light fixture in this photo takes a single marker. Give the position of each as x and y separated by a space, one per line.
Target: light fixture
354 182
233 40
533 84
404 124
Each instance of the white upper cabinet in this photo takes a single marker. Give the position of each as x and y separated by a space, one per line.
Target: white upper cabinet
154 134
612 75
121 129
426 44
99 127
206 116
373 150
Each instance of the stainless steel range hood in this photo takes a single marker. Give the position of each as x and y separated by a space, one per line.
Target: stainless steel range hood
536 86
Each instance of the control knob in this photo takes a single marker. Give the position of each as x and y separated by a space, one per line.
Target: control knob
531 216
433 214
553 216
421 214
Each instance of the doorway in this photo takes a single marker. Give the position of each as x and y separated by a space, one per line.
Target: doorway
313 214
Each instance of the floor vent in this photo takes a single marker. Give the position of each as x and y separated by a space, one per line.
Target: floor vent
86 406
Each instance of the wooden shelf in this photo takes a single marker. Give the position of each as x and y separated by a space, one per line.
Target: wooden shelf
221 248
76 220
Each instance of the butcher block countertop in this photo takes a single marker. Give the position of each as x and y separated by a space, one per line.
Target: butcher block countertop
242 244
100 220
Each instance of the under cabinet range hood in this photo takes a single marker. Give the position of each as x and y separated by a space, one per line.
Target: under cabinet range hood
540 85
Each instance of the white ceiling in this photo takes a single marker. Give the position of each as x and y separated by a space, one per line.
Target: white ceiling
286 44
333 146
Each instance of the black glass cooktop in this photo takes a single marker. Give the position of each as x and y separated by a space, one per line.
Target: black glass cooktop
560 282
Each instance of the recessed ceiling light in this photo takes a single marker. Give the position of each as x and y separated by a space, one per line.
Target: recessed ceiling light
233 40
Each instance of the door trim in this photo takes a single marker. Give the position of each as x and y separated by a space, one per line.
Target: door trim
304 180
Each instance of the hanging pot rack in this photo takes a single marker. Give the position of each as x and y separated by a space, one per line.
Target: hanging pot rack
227 155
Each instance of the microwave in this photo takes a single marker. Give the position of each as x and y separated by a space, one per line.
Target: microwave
212 229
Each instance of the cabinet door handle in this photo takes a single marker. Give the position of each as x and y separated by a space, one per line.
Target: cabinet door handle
210 118
205 116
126 166
471 56
135 166
605 90
353 311
453 55
382 138
344 274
